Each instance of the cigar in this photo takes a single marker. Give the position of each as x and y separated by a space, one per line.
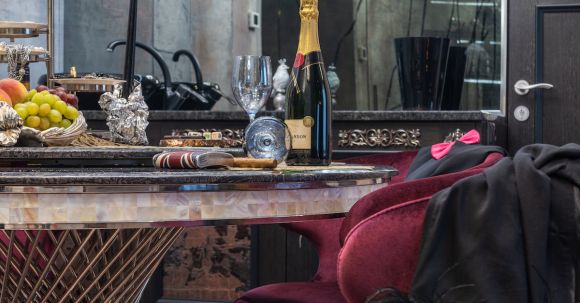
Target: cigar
254 163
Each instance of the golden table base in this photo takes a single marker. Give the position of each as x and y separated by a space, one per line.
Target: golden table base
92 265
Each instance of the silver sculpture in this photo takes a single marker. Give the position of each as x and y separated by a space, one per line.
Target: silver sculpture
334 82
127 118
10 125
17 55
281 81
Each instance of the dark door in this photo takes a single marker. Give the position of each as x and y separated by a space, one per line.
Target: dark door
544 51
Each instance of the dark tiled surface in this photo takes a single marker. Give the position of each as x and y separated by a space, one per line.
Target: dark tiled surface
93 153
338 115
144 175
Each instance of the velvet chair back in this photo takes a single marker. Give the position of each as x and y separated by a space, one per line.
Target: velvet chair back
382 234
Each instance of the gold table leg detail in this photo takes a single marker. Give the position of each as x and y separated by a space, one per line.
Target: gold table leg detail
74 266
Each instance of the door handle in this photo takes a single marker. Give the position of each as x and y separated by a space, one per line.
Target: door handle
522 87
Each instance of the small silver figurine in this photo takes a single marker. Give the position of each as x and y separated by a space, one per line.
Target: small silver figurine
281 81
127 118
334 82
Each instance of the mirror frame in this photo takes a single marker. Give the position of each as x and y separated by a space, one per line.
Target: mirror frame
504 59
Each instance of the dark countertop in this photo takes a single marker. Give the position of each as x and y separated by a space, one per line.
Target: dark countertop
93 153
30 176
338 115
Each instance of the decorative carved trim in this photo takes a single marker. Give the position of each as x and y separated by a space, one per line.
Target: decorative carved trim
379 138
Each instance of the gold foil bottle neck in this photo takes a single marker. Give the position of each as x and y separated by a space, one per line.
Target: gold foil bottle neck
309 10
309 41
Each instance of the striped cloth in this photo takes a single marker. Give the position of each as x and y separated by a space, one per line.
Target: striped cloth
176 160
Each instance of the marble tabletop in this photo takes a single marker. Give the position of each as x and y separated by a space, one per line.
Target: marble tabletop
73 198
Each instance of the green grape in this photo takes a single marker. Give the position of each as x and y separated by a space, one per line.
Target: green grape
30 95
44 123
51 99
33 121
65 123
60 106
32 108
38 99
55 116
54 125
20 105
22 112
71 113
44 110
45 92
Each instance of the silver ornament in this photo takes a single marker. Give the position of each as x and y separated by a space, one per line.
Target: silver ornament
10 125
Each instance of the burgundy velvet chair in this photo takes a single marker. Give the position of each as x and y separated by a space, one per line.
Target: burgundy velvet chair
397 227
330 235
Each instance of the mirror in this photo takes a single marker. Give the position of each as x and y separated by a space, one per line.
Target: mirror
365 58
362 48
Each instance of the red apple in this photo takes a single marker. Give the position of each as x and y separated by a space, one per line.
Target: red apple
41 88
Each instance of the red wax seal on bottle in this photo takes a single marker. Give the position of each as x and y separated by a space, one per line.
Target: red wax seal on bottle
299 60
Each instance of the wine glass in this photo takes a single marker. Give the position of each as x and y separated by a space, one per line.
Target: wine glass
252 83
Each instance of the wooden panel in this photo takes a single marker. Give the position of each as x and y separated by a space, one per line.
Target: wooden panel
302 258
281 256
522 65
561 59
270 255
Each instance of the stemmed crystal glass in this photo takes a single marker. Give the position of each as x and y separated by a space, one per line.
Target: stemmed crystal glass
252 83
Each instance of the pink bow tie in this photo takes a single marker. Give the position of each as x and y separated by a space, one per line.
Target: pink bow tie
441 150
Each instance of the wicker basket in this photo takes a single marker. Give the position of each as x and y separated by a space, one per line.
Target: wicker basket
57 136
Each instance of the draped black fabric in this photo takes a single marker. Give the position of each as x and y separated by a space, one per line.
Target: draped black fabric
510 234
461 157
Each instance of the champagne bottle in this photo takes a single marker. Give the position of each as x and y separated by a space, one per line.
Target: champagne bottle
308 106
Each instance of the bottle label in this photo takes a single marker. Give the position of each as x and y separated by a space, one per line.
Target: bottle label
301 132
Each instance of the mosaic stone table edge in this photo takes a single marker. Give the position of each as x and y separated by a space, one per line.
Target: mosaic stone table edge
62 209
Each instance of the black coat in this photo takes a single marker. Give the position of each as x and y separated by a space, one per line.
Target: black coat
461 157
511 234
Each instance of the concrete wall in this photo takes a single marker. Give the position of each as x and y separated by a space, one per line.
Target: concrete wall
167 25
34 10
90 25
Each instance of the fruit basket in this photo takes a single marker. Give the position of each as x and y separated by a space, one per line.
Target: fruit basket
58 136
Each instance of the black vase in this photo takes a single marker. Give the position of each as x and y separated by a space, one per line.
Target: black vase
422 63
455 78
